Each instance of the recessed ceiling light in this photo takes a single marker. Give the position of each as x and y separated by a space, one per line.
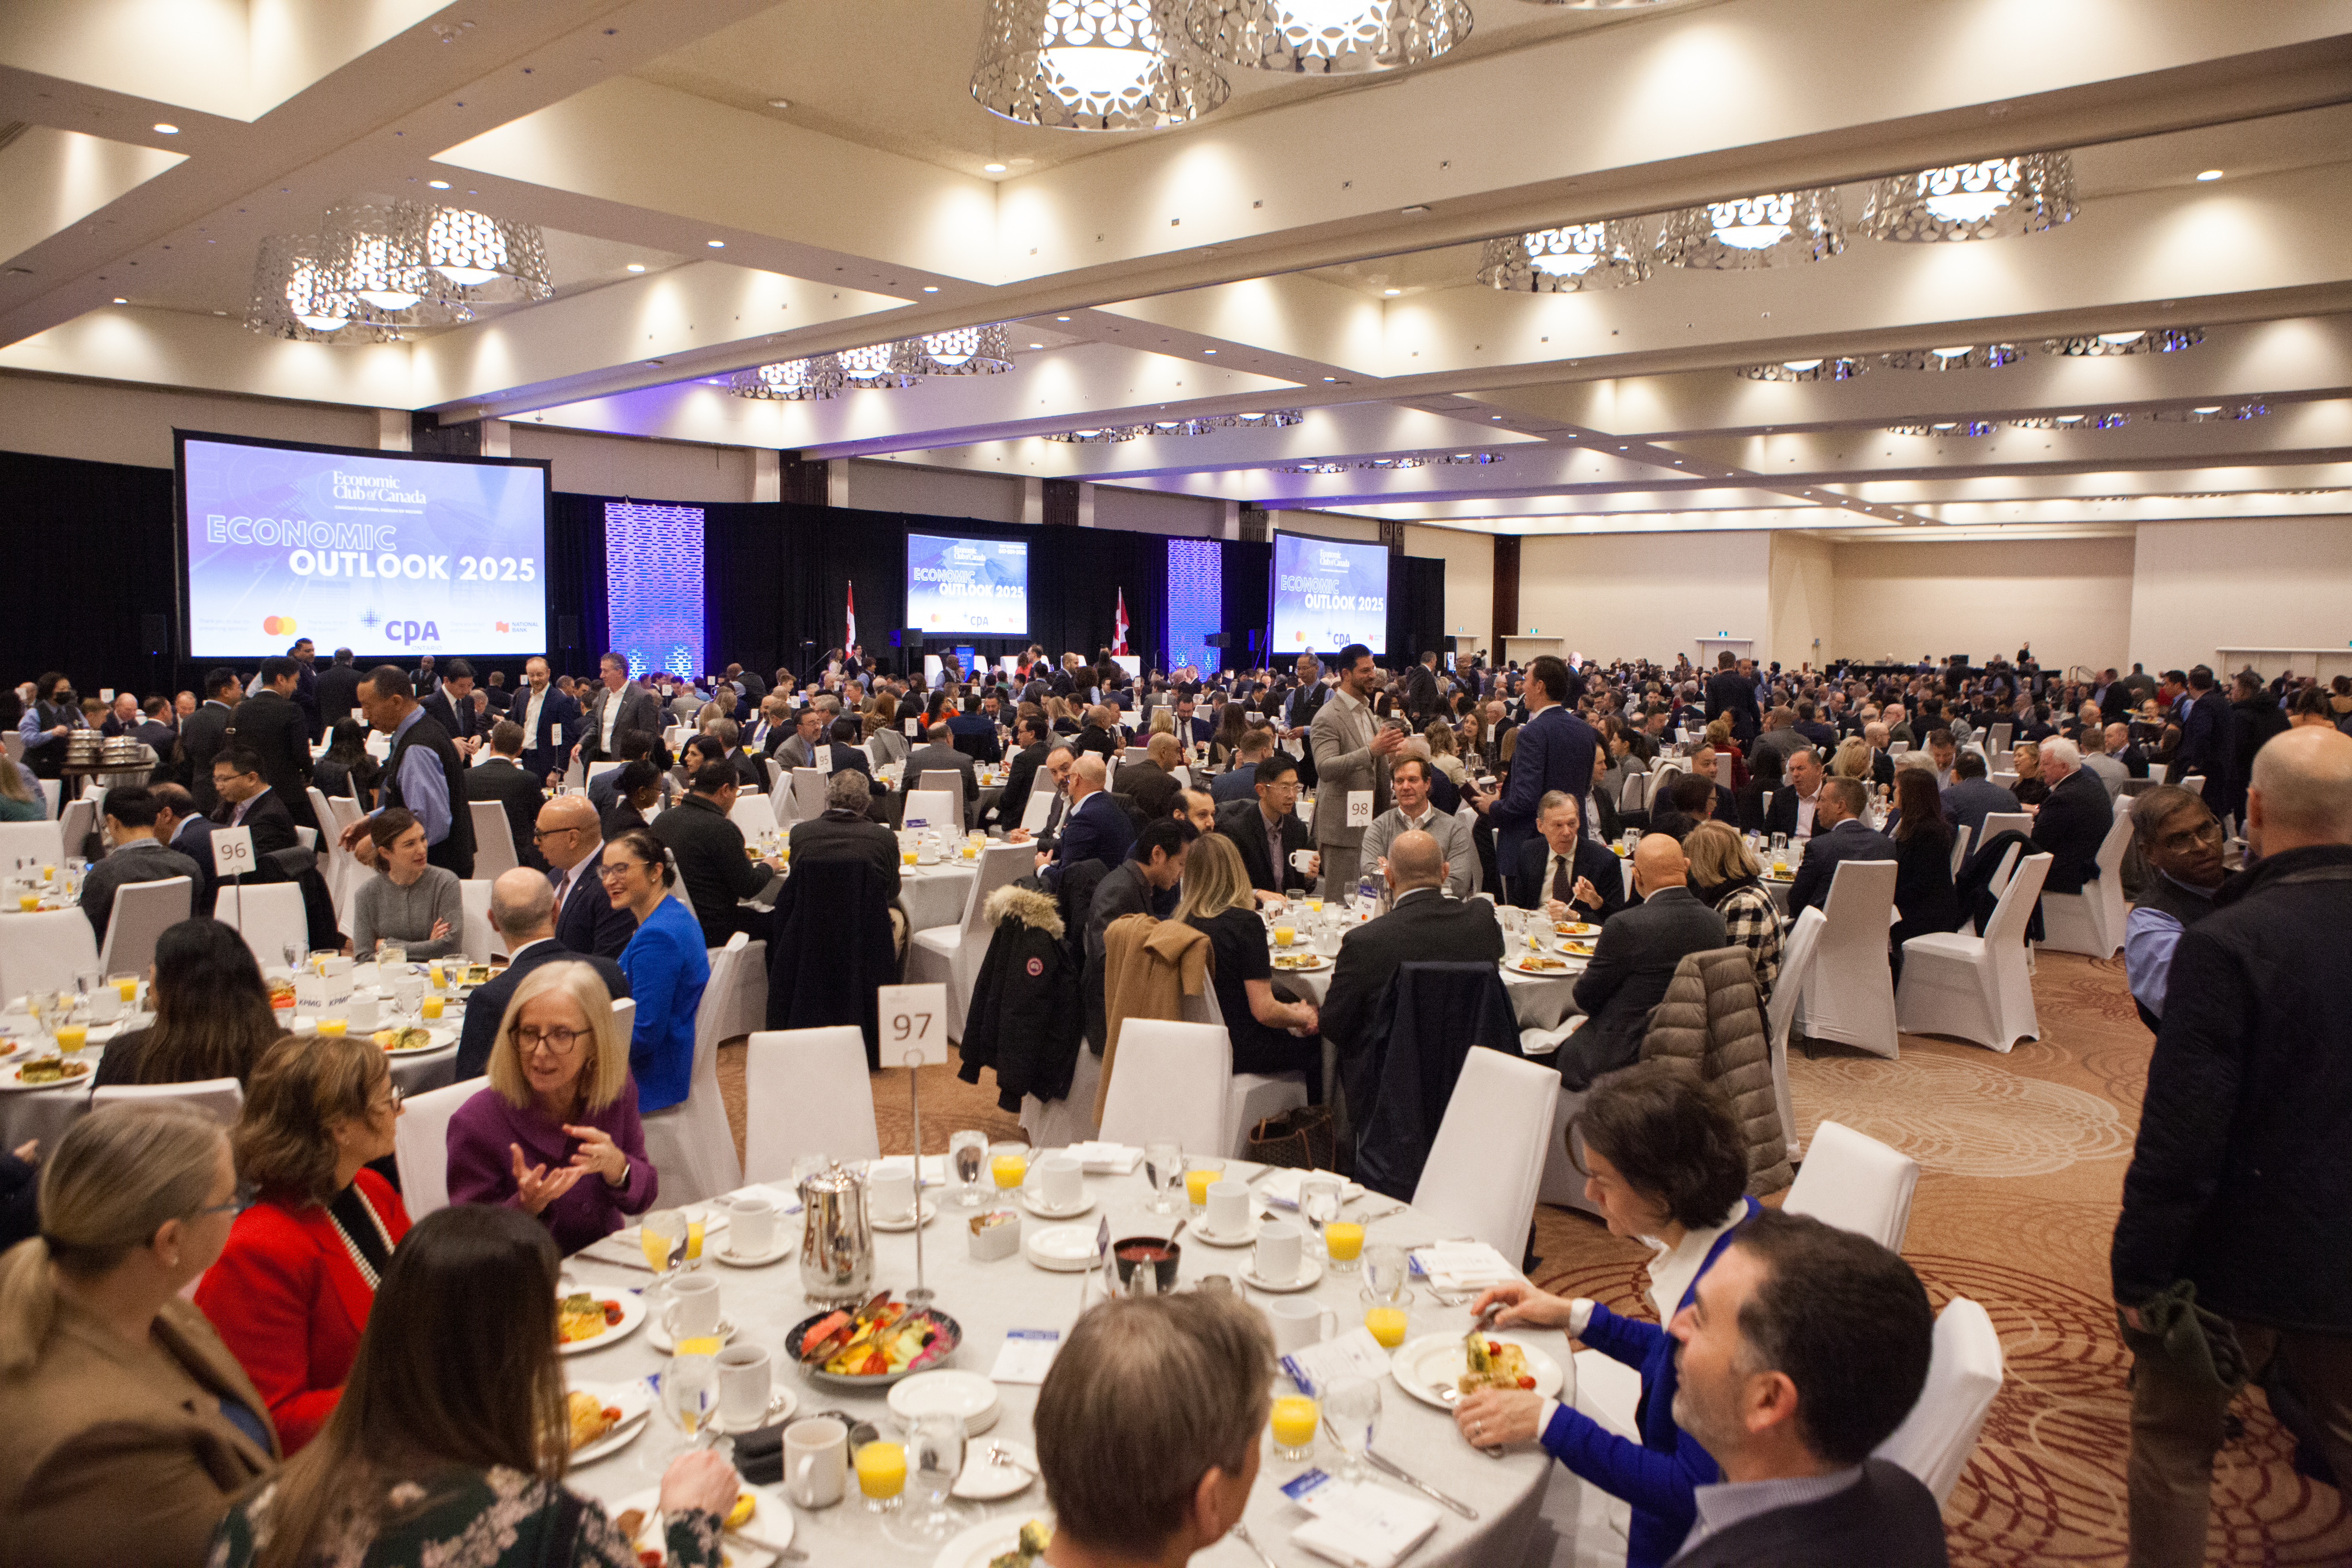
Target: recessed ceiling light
1208 351
120 300
637 266
930 288
164 130
993 168
716 243
1061 318
1391 291
1036 345
779 103
438 185
2208 175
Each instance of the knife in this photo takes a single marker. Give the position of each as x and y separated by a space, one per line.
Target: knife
1387 1468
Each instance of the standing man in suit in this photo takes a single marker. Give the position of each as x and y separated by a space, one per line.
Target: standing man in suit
247 800
619 704
522 910
336 690
1730 691
940 755
452 708
1028 735
1422 699
205 732
1634 962
1554 751
2207 741
1839 834
305 655
1352 751
179 824
2073 818
1266 831
551 722
1098 827
1300 708
1563 871
1422 926
571 840
501 778
269 725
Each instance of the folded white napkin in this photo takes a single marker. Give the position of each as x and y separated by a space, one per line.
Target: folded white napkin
1363 1526
1100 1158
1544 1042
1463 1265
1281 1189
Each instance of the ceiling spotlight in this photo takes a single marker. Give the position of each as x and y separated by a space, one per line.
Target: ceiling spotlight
164 130
1208 351
1841 367
1041 345
1061 318
120 300
438 185
637 266
1391 293
930 288
2209 175
779 103
716 243
2161 340
993 168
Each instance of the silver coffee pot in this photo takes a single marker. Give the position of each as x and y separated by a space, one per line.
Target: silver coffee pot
836 1237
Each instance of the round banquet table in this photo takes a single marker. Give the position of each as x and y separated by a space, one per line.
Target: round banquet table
989 1299
932 895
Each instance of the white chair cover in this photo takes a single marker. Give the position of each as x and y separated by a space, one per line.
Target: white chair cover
219 1098
743 1006
420 1144
1057 1123
595 769
1250 1097
271 919
949 783
690 1142
44 952
1489 1156
76 821
29 846
806 1091
2092 922
1896 748
478 935
1781 1013
1997 823
1960 848
2194 783
1976 988
1855 1183
1964 1373
754 814
952 954
1562 1183
141 910
2000 734
1723 770
808 793
53 792
932 808
1634 794
1170 1081
1850 997
494 845
1034 811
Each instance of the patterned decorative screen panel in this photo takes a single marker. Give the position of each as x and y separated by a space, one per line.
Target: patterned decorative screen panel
1196 598
653 586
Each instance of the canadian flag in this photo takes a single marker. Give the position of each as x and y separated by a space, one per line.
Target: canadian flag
1119 626
849 599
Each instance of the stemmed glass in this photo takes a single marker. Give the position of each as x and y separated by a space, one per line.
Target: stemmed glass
968 1158
933 1459
1352 1407
662 1235
1163 1166
689 1394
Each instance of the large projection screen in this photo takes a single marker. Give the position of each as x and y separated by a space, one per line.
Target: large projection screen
967 587
387 553
1328 593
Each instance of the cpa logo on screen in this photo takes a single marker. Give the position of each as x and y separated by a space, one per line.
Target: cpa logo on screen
411 632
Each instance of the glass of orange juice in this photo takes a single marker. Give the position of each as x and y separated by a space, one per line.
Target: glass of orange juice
28 902
430 1006
1294 1421
882 1476
72 1036
1200 1175
333 1026
1387 1325
1008 1164
125 986
1284 935
906 857
1343 1240
694 1241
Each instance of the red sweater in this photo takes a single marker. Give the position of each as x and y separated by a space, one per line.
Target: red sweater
290 1302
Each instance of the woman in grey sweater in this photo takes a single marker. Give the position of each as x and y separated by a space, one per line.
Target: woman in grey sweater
418 907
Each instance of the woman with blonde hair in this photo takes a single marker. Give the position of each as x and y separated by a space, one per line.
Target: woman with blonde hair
1726 876
1853 760
556 1133
1440 736
20 798
1268 1035
130 1424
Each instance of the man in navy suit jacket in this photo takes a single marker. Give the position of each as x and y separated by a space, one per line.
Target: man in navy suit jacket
548 734
572 840
1839 834
1601 874
1098 827
1554 751
181 825
522 910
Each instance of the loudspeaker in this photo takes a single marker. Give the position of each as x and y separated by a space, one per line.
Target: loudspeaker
1219 639
567 632
909 639
155 630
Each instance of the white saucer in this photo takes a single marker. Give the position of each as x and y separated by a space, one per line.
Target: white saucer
930 1212
983 1482
1310 1274
966 1395
781 1250
658 1333
781 1403
1061 1249
1214 1238
1084 1205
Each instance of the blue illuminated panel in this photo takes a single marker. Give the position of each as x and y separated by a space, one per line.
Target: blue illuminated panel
653 586
1196 598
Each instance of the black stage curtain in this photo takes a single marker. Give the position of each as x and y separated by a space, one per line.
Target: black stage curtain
1416 606
95 594
1249 580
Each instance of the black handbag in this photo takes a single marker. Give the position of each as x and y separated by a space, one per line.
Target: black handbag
1304 1139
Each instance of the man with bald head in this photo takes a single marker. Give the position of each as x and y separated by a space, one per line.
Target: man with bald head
1422 926
2242 1172
522 911
1097 827
1151 784
1633 960
571 840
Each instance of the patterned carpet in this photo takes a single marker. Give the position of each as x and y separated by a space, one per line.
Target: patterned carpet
2022 1164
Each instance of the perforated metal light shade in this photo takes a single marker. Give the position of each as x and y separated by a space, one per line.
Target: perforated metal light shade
790 381
1947 427
1100 434
1779 229
2160 341
1835 367
376 252
877 368
1328 37
960 351
2211 413
2074 422
493 259
1094 64
290 300
1569 259
1997 198
1960 356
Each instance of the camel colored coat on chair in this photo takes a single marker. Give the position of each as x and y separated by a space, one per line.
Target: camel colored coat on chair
1709 1024
1149 966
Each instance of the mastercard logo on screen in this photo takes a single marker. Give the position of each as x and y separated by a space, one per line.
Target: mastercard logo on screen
278 626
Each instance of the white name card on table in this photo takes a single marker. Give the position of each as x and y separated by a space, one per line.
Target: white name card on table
915 728
914 1018
1360 808
233 852
1026 1356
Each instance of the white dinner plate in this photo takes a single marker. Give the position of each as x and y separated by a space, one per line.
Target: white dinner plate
983 1482
633 1313
1318 964
1309 1275
12 1075
1559 971
989 1538
770 1525
966 1395
440 1039
1036 1207
658 1334
1062 1248
1575 928
1577 947
1440 1358
904 1223
635 1399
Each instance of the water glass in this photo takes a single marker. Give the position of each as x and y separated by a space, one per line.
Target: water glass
408 994
934 1457
1163 1170
1386 1273
1352 1406
389 952
968 1164
1318 1200
689 1393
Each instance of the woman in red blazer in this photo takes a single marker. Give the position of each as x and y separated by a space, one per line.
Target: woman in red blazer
293 1287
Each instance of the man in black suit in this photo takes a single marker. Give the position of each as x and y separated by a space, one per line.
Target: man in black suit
1422 699
1633 962
1267 831
1808 1348
1299 706
269 725
1796 810
338 690
551 722
1971 797
502 779
179 824
709 848
1151 784
522 910
618 705
1729 691
940 755
973 733
572 841
1021 774
1422 926
1562 871
1061 760
246 800
1100 735
846 831
2207 741
2073 819
1839 834
1145 883
452 707
155 729
205 732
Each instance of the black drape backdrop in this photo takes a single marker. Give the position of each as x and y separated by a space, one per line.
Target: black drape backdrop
98 599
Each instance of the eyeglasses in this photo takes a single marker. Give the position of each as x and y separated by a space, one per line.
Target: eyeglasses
234 1206
537 834
558 1042
614 870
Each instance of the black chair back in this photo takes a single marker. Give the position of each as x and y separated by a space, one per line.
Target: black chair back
833 948
1431 1017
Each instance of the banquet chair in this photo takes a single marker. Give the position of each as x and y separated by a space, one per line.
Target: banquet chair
1035 810
52 793
2194 783
476 935
2003 777
1250 1097
44 952
141 911
420 1144
29 846
219 1098
1723 770
1483 1171
2092 922
270 916
1562 1184
1781 1013
742 1006
1976 988
1855 1183
932 808
1634 794
593 770
1896 748
77 820
494 845
808 793
1850 995
2000 734
949 783
952 954
805 1091
1469 820
1961 847
1964 1373
677 882
755 814
1997 823
1170 1081
690 1143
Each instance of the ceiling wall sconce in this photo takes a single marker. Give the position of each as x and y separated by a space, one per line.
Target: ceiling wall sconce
1963 357
1947 427
1094 64
960 351
2211 412
1995 199
2160 341
1836 368
1100 434
2074 422
1327 38
1779 229
290 300
1567 261
493 259
790 381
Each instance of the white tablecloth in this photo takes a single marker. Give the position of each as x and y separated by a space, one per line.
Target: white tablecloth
932 895
988 1299
1540 1001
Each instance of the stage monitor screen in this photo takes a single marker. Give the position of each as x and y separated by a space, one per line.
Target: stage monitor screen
386 553
1328 593
968 587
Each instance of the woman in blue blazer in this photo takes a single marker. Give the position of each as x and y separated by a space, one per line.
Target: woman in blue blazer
667 965
1664 1162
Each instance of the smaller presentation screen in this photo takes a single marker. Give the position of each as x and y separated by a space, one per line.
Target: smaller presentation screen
968 587
1328 593
381 553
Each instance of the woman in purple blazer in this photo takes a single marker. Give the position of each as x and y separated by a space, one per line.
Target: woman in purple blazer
556 1133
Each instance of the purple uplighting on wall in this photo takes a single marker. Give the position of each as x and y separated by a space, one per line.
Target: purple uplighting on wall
653 586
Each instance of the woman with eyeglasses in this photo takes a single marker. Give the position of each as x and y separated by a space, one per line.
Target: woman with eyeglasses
291 1292
129 1424
556 1133
666 961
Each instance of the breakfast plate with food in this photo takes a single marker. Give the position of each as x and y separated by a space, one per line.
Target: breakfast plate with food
1575 928
45 1071
1537 963
591 1320
413 1040
1468 1362
606 1416
874 1346
1300 962
998 1543
1577 949
756 1532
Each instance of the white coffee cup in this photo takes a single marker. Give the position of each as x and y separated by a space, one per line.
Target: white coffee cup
744 1374
693 1308
360 1012
816 1461
1298 1323
1301 859
1058 1180
1279 1247
892 1193
1228 1207
751 1227
105 1005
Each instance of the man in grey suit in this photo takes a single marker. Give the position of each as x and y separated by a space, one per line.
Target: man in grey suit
1633 960
619 705
1971 795
1409 779
1839 834
808 734
1351 751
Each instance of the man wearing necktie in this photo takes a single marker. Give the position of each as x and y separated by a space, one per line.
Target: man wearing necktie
1352 750
1564 872
1553 752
